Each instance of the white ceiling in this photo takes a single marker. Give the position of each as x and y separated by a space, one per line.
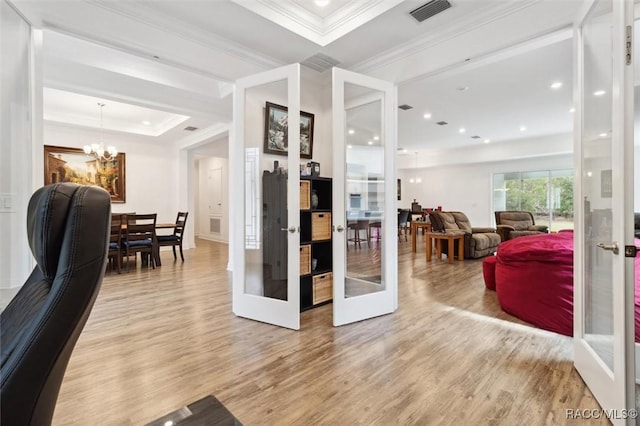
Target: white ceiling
162 60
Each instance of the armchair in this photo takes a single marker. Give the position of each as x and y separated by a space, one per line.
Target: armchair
478 242
512 224
68 231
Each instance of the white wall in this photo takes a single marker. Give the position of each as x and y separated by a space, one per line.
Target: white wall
467 187
151 172
16 147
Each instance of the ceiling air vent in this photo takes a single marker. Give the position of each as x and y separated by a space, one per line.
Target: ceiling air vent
320 62
190 128
405 107
427 10
442 123
475 137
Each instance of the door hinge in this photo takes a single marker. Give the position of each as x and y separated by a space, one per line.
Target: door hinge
629 44
630 251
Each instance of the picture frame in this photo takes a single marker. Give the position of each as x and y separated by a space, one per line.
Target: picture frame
275 131
64 164
399 189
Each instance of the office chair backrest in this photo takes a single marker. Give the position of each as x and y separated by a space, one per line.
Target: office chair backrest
68 229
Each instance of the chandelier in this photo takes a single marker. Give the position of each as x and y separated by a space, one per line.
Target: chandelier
98 150
416 179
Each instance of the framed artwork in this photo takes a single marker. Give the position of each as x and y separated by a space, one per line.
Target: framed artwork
62 164
275 131
399 189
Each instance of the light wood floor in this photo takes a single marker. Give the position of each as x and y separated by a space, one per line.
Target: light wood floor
158 340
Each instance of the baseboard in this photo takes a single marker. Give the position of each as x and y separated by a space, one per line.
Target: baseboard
212 238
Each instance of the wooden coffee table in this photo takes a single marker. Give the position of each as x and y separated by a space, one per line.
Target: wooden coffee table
450 237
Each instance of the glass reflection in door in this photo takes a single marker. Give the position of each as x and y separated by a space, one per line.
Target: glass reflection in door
265 197
364 191
596 182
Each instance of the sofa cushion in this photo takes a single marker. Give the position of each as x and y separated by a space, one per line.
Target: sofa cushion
449 222
462 221
518 225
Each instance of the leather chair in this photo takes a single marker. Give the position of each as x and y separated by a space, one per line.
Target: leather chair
512 224
478 242
68 228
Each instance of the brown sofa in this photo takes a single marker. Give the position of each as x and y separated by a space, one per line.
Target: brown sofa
512 224
478 242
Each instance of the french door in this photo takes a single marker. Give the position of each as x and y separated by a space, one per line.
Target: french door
365 241
266 199
604 274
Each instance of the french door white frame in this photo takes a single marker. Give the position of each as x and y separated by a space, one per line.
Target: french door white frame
357 308
284 313
614 390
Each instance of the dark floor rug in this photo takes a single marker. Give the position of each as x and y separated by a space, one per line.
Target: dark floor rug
207 411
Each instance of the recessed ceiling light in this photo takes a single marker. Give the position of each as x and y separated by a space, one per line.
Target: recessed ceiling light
376 138
599 93
321 3
370 143
462 88
462 130
146 122
572 109
523 128
427 115
589 174
556 85
351 131
168 423
603 135
405 151
487 140
349 146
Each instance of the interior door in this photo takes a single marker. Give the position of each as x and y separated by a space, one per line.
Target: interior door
365 233
604 277
266 202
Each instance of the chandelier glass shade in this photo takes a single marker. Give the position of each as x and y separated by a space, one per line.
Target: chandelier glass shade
98 150
415 179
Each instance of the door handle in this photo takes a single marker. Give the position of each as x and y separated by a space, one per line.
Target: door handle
340 228
291 229
610 247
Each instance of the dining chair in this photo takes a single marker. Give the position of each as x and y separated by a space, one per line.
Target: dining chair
175 239
403 223
115 241
140 237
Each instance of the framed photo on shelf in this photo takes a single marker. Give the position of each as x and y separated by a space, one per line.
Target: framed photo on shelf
63 164
276 131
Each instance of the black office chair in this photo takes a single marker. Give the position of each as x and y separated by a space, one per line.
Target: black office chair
68 229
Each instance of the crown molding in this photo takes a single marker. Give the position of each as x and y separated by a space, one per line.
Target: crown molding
465 25
147 15
322 32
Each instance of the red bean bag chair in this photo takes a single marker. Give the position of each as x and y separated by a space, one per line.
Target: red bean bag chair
534 280
489 271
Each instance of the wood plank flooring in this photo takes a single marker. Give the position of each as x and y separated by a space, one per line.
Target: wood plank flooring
160 339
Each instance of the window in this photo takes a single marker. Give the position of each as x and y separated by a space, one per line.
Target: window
548 194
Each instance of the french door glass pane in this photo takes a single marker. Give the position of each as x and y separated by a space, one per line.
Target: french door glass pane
265 197
596 182
364 191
